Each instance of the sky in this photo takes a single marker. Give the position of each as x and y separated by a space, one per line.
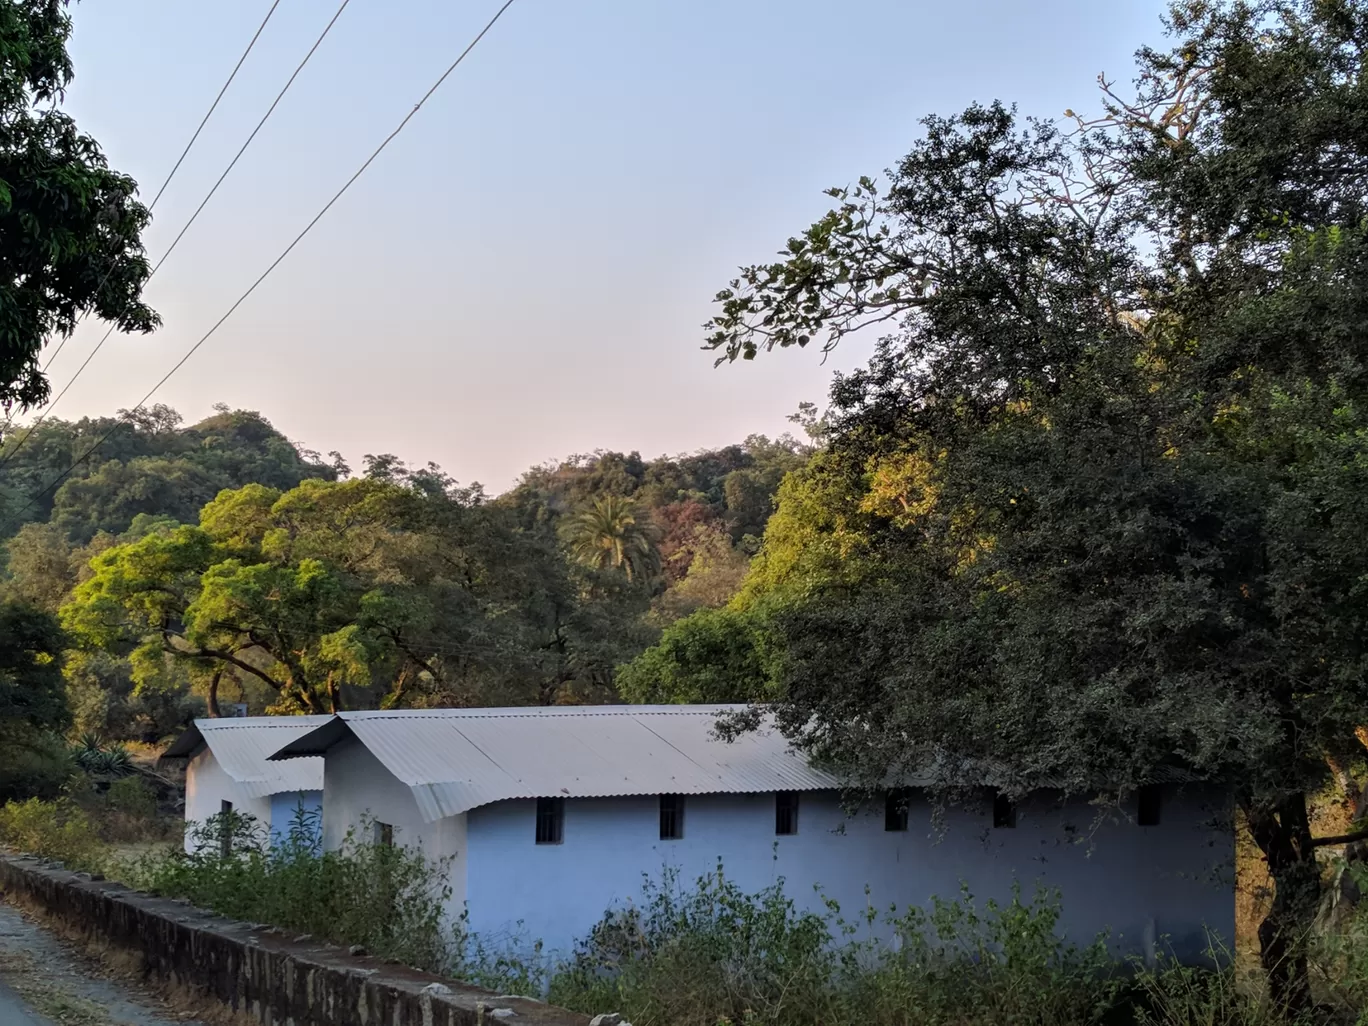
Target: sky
524 272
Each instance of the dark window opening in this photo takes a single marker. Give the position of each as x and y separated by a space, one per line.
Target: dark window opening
1004 812
895 810
786 812
550 820
671 817
1147 802
384 835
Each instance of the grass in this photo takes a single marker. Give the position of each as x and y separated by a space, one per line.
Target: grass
30 981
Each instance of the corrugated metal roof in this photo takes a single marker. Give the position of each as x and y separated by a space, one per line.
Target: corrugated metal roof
243 746
455 760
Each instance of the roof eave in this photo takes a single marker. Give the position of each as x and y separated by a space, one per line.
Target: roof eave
187 746
316 742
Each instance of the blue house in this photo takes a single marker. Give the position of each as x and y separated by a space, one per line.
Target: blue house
227 769
551 816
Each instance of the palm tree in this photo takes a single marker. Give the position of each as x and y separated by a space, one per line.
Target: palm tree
610 533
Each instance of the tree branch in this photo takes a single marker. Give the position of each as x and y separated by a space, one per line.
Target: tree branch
1357 835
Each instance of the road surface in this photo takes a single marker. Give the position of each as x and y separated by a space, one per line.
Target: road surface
46 982
13 1012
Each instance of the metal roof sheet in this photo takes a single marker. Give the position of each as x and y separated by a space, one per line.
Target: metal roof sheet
455 760
243 746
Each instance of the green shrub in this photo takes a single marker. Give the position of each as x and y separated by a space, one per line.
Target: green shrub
56 830
715 954
32 764
132 796
388 899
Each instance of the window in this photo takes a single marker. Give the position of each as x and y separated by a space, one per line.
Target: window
671 817
895 810
1004 812
384 834
550 820
1147 802
786 812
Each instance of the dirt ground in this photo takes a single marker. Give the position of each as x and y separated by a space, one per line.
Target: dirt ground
47 982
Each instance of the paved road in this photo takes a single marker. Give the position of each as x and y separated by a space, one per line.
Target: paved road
39 971
14 1013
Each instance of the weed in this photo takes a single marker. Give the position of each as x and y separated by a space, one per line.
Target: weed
58 830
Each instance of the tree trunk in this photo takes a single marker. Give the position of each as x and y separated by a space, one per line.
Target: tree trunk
213 694
334 695
1282 831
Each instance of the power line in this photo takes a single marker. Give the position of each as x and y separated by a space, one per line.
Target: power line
184 228
184 153
275 263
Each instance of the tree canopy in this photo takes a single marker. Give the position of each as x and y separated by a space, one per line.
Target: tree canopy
70 228
1099 492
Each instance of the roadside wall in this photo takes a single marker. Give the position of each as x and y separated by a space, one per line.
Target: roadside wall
260 973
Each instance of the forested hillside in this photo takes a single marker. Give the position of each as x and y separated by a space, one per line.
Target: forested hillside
181 568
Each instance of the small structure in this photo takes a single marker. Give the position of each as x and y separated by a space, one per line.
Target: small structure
551 816
228 770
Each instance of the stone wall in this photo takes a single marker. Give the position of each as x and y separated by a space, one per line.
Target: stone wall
261 974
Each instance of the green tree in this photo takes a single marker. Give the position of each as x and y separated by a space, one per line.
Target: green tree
69 225
613 533
1106 476
32 698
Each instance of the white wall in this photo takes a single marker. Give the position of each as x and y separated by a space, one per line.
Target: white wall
1174 879
207 786
357 785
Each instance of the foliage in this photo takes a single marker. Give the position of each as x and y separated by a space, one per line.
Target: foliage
713 953
33 704
712 656
69 225
97 758
53 829
610 533
149 465
388 899
422 592
1092 513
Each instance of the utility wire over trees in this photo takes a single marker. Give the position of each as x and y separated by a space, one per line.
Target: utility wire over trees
277 261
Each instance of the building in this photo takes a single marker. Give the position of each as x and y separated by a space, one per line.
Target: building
551 816
227 768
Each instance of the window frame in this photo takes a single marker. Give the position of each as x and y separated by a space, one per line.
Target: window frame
671 817
785 813
550 821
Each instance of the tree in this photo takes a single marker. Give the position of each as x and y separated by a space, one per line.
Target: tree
69 225
611 533
1098 491
402 591
32 700
145 463
270 585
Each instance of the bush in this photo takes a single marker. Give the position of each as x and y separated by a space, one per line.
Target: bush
32 764
387 899
56 830
715 954
132 796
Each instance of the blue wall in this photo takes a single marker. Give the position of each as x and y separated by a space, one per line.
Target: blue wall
286 804
1173 881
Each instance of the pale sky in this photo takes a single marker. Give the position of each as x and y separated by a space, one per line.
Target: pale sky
524 272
